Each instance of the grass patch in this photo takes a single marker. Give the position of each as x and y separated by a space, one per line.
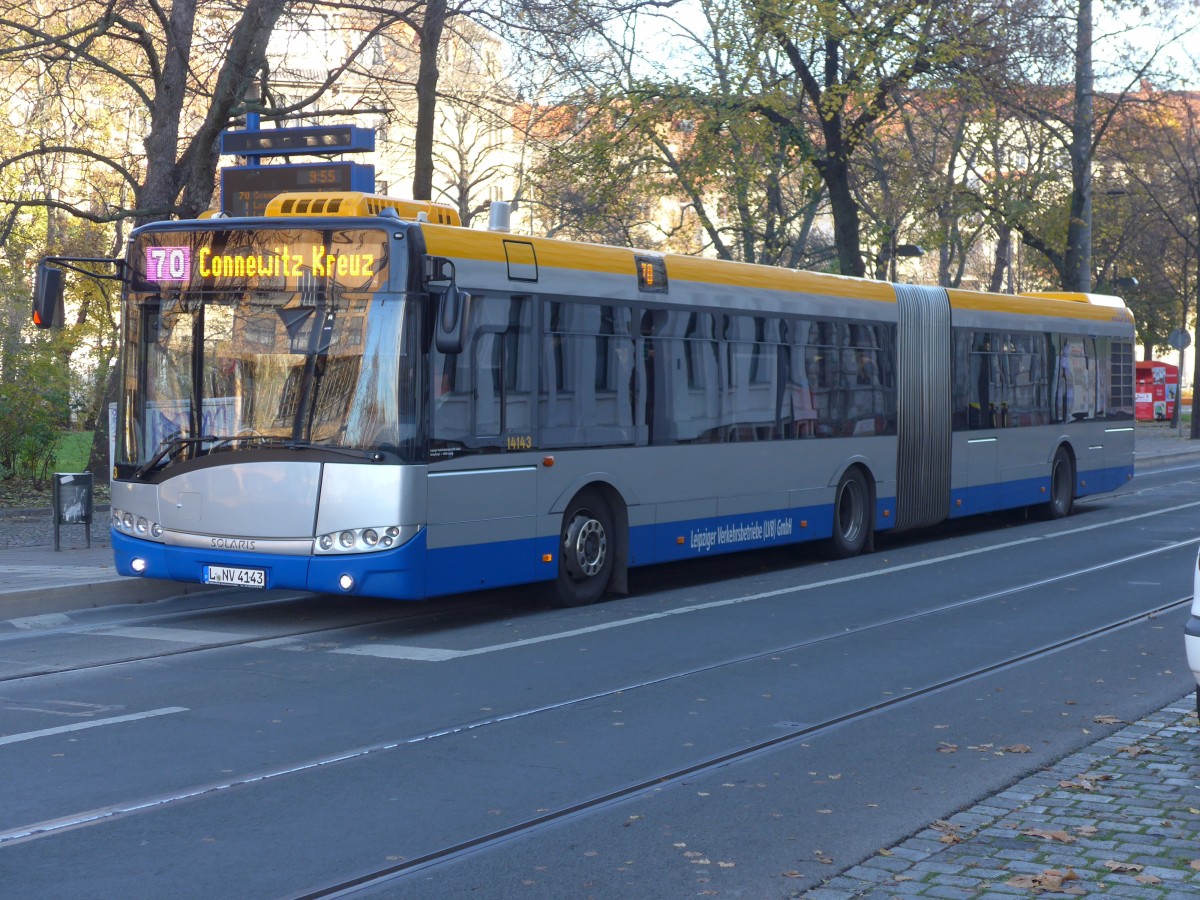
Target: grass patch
74 448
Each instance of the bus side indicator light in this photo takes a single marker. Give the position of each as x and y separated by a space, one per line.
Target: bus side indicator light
547 461
547 557
679 540
887 513
958 502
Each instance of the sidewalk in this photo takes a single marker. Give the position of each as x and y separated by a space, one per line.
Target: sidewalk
1120 818
37 580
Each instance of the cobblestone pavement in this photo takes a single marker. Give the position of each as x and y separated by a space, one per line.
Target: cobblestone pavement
35 528
1120 818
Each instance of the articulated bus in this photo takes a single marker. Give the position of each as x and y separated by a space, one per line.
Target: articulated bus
355 395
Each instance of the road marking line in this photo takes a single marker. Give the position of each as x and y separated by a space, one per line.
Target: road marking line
178 635
397 651
79 726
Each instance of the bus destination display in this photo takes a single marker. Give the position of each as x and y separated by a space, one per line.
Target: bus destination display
356 259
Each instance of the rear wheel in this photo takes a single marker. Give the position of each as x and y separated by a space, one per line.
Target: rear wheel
851 516
585 551
1062 486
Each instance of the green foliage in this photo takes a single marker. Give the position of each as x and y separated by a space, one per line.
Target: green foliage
34 408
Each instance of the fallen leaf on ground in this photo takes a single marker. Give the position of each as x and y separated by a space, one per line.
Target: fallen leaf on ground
1133 752
1123 868
1148 879
946 747
1107 720
1016 748
1060 836
1049 880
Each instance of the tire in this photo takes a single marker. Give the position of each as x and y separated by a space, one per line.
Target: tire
1062 487
851 516
586 550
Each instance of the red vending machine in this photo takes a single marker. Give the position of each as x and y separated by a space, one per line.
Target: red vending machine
1157 390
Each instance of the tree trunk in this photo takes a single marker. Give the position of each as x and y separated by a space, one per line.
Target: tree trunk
1078 258
427 81
161 187
836 174
1003 258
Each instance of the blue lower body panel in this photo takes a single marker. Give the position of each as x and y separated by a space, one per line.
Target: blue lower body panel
414 572
970 501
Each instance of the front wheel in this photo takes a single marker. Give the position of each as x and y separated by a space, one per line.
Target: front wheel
851 516
585 551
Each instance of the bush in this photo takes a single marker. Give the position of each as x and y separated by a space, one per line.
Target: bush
34 407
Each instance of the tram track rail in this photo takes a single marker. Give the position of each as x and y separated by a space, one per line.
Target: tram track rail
404 614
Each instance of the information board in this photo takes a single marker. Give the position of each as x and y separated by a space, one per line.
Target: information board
246 190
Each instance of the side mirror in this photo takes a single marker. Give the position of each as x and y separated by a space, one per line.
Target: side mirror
454 309
48 296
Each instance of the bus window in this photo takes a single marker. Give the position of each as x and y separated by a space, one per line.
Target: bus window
1121 378
484 394
585 395
1075 378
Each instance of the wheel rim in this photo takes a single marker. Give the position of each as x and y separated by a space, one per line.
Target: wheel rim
850 511
586 546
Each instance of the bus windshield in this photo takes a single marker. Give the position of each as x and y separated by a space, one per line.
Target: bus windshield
293 360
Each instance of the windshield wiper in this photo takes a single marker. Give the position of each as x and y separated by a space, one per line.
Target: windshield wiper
373 455
168 449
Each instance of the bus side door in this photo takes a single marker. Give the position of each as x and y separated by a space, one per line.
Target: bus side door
482 503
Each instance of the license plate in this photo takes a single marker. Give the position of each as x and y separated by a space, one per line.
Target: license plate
251 578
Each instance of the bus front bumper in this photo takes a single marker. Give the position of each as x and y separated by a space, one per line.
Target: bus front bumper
398 573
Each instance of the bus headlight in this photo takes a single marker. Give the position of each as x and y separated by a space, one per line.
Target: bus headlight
363 540
136 526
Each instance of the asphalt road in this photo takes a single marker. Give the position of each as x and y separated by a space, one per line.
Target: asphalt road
745 726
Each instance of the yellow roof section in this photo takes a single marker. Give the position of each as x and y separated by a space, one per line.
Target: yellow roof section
488 246
1094 307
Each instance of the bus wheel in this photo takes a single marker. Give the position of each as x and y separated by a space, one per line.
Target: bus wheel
851 516
585 551
1062 486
